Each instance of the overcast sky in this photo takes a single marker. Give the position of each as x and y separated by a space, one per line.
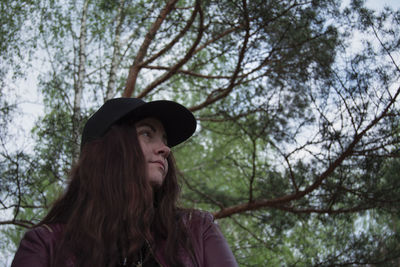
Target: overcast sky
378 4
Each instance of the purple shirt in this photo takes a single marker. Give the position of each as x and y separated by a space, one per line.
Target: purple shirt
37 248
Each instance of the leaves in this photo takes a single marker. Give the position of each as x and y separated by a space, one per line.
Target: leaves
298 128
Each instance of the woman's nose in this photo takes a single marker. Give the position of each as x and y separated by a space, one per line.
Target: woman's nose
163 149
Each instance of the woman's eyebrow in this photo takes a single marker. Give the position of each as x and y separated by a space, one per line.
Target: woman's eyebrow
143 124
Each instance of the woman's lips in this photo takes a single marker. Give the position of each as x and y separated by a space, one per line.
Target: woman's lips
160 163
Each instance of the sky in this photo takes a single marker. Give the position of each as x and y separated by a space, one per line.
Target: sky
379 4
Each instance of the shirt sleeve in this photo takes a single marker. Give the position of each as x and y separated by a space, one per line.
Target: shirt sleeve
33 250
217 252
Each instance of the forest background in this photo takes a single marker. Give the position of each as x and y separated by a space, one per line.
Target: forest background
297 147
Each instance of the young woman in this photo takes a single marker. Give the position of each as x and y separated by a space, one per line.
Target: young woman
120 207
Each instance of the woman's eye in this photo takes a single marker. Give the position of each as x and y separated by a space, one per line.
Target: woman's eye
145 133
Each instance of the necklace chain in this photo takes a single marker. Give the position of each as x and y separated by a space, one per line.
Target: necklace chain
139 262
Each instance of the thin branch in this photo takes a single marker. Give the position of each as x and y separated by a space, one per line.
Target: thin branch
253 171
192 188
251 233
137 63
216 38
22 223
384 47
187 72
324 211
175 40
218 95
226 212
185 59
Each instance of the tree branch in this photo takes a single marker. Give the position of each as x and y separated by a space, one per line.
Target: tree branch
116 59
22 223
226 212
137 63
187 72
185 59
175 40
78 86
218 95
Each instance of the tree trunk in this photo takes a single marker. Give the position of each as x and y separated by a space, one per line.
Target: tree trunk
76 116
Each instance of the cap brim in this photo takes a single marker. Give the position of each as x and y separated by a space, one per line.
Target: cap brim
179 123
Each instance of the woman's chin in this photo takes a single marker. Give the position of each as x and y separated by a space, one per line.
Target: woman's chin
156 183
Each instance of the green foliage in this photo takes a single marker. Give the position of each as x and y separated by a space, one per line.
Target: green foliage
291 116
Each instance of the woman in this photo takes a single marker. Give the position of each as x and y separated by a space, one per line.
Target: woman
120 207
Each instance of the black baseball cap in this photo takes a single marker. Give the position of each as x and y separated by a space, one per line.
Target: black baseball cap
179 123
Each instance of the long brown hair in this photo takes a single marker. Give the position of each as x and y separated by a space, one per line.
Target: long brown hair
110 210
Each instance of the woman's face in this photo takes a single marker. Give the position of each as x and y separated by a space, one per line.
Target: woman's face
153 141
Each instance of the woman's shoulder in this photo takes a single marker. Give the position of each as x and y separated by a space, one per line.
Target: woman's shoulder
46 231
197 218
50 227
38 245
44 235
200 215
